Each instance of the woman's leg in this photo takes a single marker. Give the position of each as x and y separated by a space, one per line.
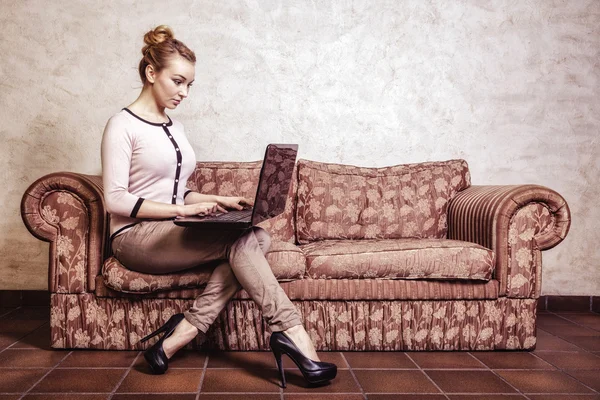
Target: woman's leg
163 247
220 288
255 275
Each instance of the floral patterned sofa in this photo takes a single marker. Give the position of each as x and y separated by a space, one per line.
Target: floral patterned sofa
409 257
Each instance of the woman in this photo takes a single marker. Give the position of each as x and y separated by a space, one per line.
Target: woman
146 160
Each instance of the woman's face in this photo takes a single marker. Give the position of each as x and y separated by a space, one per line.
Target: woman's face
172 84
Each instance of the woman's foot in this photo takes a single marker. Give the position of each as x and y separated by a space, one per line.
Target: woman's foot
182 335
300 337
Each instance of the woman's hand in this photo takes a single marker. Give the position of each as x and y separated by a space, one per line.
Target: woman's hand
235 203
203 208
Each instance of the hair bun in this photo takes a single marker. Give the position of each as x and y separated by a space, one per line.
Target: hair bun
156 36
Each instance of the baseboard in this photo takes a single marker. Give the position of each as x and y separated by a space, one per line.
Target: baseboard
569 303
37 298
24 298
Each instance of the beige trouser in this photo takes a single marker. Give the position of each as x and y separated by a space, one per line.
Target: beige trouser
160 247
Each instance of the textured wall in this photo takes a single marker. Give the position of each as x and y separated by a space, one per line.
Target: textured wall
513 87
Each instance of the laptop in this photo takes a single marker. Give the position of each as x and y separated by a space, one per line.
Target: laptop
271 193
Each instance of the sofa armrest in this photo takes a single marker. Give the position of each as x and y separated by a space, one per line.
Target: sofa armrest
67 210
516 222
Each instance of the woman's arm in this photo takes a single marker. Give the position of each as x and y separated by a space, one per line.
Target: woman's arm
235 202
192 197
156 210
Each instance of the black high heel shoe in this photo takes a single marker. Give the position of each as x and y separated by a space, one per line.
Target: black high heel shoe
314 372
155 355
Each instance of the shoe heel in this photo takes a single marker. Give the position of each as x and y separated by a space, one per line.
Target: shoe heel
280 368
156 332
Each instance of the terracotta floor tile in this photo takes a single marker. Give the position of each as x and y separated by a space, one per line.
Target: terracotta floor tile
486 397
564 396
38 339
8 339
381 396
444 359
80 381
343 383
10 396
241 359
379 360
543 382
187 359
547 341
589 320
469 382
31 358
326 356
397 381
245 396
155 396
578 360
19 380
20 326
589 343
173 381
4 311
99 358
511 360
29 313
589 378
182 359
240 380
570 330
551 319
65 396
321 396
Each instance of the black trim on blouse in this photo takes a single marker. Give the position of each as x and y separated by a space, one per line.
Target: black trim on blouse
148 122
186 193
136 208
177 151
179 159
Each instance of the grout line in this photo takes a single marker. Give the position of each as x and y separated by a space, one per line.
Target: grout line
8 312
480 394
202 377
353 375
559 369
24 335
498 376
581 349
575 322
124 376
428 377
45 375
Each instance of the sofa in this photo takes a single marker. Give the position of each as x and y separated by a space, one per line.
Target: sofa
407 257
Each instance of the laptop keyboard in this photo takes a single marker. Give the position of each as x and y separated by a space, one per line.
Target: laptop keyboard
234 215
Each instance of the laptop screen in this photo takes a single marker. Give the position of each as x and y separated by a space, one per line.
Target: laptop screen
274 183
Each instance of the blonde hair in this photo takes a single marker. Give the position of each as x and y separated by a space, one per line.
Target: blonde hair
160 46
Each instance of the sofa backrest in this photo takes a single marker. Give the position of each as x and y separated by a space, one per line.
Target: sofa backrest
241 179
346 202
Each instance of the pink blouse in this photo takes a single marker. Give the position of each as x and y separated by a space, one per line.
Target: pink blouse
143 160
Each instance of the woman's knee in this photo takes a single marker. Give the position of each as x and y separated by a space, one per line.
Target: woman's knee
263 237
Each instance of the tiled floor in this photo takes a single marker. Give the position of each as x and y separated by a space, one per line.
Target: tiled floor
565 365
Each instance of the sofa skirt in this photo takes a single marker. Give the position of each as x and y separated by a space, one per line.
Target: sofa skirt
87 321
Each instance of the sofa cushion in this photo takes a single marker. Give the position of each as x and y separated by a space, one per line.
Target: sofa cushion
241 179
342 289
286 260
398 259
346 202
